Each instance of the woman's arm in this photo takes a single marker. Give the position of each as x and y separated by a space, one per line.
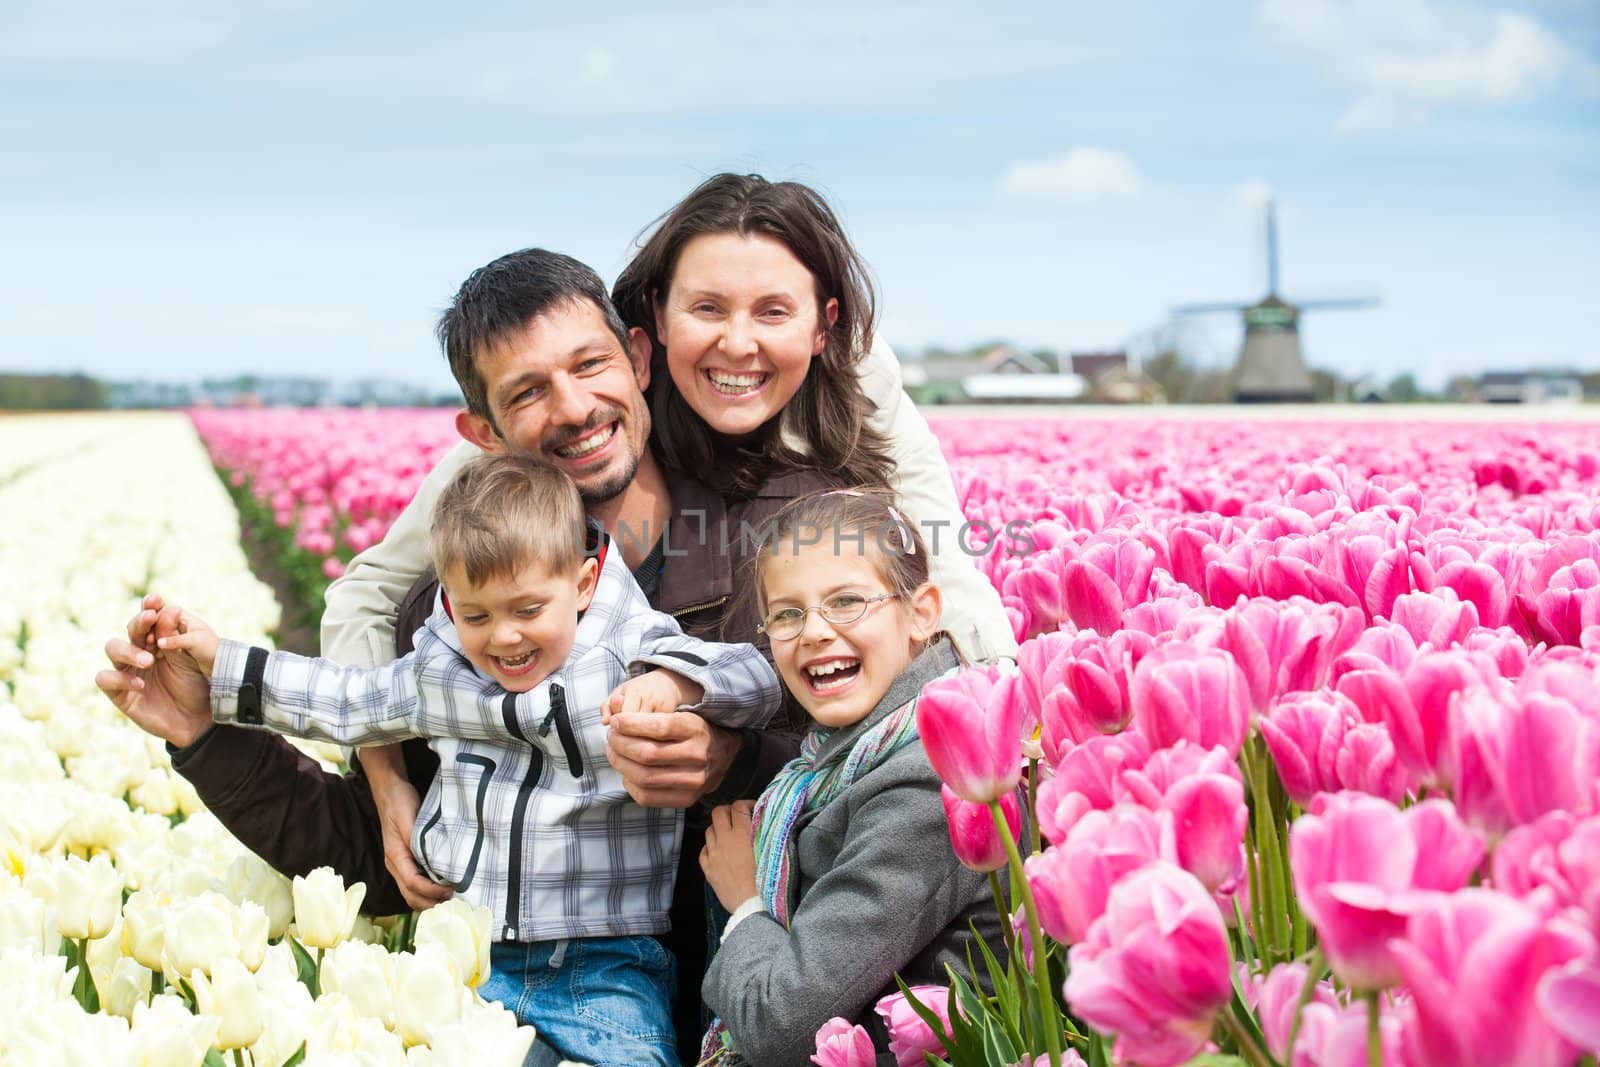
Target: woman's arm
894 889
358 618
972 611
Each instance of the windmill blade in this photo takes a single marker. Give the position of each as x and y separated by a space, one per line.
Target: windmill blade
1344 303
1208 309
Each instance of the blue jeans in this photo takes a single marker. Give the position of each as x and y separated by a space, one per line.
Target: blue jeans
600 1000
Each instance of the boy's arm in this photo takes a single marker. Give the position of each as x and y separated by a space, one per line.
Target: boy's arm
314 698
739 686
360 607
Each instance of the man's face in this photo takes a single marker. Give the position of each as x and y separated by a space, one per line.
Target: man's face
564 390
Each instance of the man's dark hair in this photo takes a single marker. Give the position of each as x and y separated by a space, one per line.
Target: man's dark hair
501 298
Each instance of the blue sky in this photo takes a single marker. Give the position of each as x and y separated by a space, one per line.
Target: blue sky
214 188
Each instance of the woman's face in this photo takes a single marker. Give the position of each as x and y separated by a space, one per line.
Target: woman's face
740 324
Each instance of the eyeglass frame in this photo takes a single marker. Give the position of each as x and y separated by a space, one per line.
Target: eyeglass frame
805 613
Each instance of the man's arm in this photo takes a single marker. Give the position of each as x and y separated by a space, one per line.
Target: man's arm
973 614
358 619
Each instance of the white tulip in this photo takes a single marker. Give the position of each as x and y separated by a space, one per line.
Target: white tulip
249 877
285 1015
250 924
481 1037
129 987
165 1034
365 974
156 794
427 994
22 922
144 928
324 910
463 932
88 897
231 994
199 931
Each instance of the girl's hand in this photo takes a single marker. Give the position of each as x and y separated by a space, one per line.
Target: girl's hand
729 858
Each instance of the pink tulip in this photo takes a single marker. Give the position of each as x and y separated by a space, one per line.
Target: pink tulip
1086 779
1305 733
909 1036
971 728
1277 1002
1358 866
839 1044
1569 603
1155 968
1366 763
1569 1000
973 836
1548 758
1182 692
1481 586
1439 618
1473 962
1072 881
1203 824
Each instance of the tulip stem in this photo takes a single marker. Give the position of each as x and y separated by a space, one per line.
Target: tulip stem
1005 916
1033 807
1248 1048
238 1057
1041 954
1374 1035
1314 971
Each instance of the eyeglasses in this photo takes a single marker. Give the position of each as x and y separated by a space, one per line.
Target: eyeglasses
840 609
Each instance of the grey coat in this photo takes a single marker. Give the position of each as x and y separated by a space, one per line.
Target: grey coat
879 893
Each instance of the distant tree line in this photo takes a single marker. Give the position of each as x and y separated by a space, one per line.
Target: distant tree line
51 392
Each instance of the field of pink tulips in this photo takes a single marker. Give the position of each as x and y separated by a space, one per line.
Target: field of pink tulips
1306 717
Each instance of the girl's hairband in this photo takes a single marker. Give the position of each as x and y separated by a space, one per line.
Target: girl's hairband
907 545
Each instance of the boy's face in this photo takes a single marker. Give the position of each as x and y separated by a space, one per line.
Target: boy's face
518 629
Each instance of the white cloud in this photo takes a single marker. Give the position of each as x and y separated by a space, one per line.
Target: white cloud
1083 175
1246 200
1407 58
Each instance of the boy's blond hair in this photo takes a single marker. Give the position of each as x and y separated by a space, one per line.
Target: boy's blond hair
502 513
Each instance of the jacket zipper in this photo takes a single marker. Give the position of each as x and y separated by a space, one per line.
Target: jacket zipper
563 721
508 712
681 612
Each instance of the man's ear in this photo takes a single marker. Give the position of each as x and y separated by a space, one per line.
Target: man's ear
830 314
926 605
479 431
639 350
588 579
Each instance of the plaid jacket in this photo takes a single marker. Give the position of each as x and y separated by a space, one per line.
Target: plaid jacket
525 816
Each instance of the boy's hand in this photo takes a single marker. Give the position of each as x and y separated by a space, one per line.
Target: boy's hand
729 857
657 690
165 692
179 631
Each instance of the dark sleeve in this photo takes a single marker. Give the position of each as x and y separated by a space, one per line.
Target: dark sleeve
285 808
762 753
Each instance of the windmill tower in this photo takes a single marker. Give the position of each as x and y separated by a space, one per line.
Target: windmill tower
1271 367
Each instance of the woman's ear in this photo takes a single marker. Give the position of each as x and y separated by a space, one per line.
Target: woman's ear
830 315
588 579
926 605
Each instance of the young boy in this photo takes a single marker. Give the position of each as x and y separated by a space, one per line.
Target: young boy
534 635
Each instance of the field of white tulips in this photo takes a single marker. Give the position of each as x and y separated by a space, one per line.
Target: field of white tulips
196 952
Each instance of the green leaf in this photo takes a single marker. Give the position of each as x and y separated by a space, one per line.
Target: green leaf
298 1058
1215 1059
306 966
213 1058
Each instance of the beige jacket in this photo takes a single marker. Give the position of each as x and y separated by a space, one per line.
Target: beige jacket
359 616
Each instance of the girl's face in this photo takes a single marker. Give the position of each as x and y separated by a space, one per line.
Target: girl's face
740 324
840 672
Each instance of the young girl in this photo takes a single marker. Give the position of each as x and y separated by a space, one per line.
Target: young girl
851 879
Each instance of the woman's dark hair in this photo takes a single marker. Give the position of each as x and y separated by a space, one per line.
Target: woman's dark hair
829 412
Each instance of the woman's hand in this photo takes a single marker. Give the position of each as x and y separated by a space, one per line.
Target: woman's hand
166 691
729 857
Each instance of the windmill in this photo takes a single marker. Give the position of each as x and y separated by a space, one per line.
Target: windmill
1271 367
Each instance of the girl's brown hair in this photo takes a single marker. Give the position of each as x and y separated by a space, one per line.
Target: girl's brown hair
855 517
829 412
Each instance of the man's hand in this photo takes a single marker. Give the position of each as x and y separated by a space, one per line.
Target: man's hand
729 857
658 690
669 761
166 691
398 803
